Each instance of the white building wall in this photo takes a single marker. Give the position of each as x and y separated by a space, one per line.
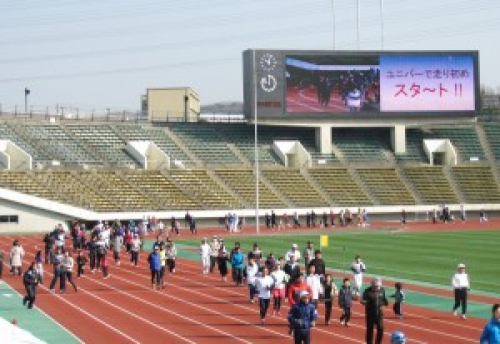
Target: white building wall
30 219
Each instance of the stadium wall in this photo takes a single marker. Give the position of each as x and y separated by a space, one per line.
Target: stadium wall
30 218
40 215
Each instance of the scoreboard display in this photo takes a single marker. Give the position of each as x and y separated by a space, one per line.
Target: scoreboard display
280 83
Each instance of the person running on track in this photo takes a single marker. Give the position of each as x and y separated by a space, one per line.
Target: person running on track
31 279
280 279
263 286
68 264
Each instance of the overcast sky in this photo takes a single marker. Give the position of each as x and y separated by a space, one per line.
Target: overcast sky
98 54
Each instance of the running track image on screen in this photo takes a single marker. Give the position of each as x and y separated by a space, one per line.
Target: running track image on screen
332 84
380 83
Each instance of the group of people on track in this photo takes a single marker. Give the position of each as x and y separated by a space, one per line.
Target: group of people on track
274 280
271 280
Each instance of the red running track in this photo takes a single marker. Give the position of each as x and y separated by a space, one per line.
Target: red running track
202 309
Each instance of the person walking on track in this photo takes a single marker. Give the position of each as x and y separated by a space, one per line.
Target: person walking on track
154 261
205 256
461 286
302 318
374 299
68 264
31 279
263 286
16 258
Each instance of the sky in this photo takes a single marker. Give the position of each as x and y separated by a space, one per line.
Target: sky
103 54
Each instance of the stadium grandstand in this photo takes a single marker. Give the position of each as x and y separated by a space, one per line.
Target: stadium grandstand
56 170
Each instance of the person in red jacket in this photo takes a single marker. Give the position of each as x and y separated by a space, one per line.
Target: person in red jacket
297 287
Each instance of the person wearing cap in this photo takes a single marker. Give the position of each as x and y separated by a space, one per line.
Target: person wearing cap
292 269
302 317
374 299
398 337
155 267
491 332
205 250
214 252
461 286
358 268
294 251
171 254
135 248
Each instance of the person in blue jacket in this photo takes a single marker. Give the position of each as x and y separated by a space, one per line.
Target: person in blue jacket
155 267
491 332
302 318
238 264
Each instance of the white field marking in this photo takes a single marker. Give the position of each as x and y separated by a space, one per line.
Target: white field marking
87 314
224 301
388 320
184 339
357 313
45 314
119 308
238 306
200 307
169 311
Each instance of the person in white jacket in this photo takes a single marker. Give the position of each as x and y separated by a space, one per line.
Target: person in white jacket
314 282
461 286
263 286
205 256
280 279
16 258
358 268
252 271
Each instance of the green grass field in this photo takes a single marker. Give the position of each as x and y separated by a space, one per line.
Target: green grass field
429 257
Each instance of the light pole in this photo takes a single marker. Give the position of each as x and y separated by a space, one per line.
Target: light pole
358 21
382 24
26 94
256 150
334 30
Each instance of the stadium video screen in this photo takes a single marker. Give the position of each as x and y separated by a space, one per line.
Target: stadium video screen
380 83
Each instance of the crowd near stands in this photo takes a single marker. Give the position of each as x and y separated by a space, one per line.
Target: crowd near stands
212 167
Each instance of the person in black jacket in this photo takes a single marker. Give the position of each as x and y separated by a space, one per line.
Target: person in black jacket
345 302
273 220
374 299
31 279
318 263
292 269
49 246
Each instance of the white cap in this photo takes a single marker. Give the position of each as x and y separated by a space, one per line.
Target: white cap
461 266
303 293
295 246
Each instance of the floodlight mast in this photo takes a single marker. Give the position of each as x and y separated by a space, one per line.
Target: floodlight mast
256 151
